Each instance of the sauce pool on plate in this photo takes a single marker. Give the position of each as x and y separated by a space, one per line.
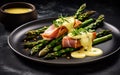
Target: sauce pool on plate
82 53
17 10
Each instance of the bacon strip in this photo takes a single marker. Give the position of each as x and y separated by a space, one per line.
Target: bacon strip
53 32
69 42
75 43
77 23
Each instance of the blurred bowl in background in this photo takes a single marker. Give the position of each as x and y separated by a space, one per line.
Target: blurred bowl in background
14 14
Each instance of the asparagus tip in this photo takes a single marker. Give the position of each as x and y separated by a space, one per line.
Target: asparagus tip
101 16
84 4
31 52
42 52
92 11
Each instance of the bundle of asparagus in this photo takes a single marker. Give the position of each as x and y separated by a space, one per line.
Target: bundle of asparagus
53 48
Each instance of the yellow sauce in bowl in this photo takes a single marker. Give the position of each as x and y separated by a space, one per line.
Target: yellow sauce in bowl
17 10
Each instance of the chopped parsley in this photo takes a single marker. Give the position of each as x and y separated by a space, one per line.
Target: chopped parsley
60 21
78 31
57 23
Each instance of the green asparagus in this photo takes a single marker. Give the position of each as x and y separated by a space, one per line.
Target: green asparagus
56 48
85 15
34 33
68 50
58 53
80 10
86 22
50 45
32 44
103 33
102 39
37 47
95 24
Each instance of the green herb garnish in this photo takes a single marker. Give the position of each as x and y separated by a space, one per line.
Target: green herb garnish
60 21
78 31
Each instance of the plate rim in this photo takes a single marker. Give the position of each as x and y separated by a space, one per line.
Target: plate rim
55 63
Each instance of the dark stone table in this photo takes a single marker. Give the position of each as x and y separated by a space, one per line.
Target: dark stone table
13 64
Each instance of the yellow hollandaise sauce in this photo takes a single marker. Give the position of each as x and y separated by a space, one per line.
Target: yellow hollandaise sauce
69 23
17 10
82 53
87 49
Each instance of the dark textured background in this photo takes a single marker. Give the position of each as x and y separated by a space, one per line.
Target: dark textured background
13 64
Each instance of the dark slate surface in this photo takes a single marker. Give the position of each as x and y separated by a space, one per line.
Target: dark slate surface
13 64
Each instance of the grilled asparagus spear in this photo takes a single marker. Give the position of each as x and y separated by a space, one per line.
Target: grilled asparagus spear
102 39
86 22
32 44
58 47
95 24
37 47
85 15
58 53
80 10
34 33
102 33
50 45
